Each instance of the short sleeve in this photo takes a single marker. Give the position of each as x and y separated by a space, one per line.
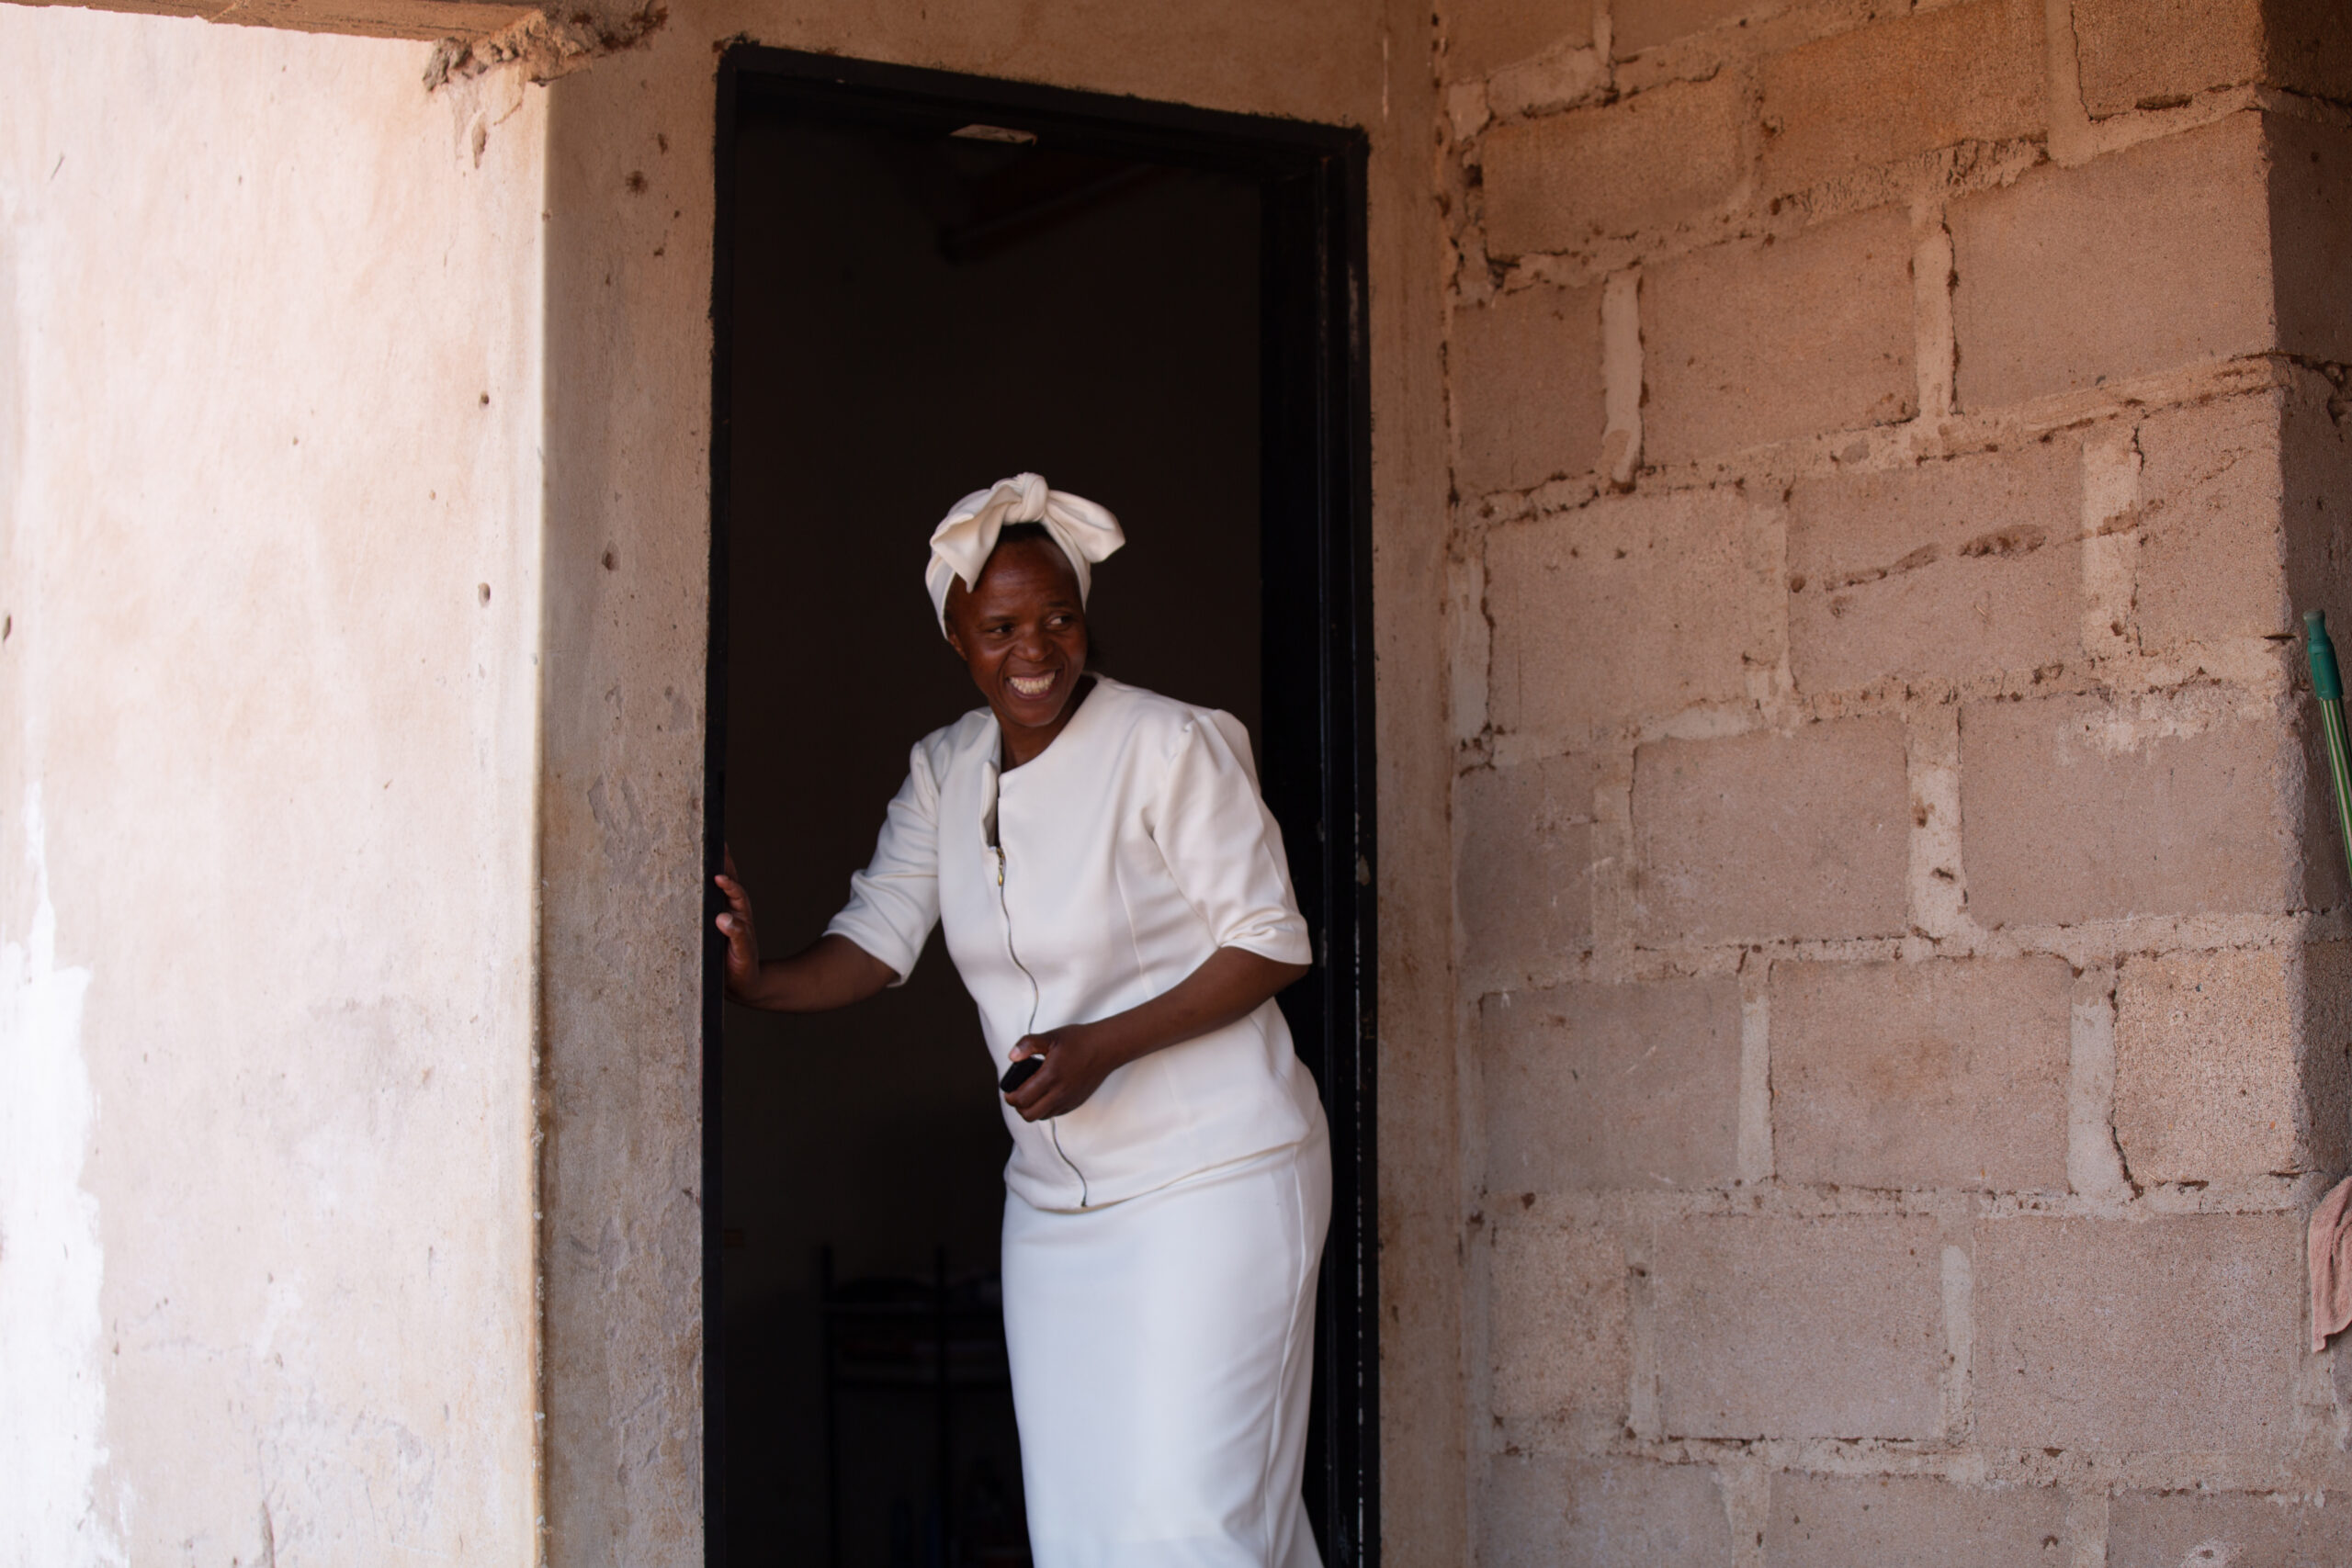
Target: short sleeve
1224 847
894 902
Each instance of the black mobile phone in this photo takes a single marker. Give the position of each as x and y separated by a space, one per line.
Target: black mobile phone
1020 1073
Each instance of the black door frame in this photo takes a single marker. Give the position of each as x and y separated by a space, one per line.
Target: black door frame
1316 767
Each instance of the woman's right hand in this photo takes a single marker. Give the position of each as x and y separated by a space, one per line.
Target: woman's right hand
831 971
742 938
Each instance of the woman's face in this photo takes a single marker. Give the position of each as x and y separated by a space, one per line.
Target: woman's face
1021 632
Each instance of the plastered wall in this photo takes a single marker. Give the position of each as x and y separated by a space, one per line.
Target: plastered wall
270 429
1903 992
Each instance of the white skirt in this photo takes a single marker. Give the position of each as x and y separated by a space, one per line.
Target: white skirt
1163 1352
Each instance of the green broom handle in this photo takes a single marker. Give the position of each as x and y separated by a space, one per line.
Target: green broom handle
2327 684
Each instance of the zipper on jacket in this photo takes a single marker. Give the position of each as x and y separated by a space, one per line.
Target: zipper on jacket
1053 1129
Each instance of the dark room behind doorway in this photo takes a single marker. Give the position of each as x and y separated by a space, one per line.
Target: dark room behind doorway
914 314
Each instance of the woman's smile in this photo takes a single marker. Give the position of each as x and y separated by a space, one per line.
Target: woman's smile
1034 686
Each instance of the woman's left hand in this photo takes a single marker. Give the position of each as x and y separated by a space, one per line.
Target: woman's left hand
1230 984
1075 1065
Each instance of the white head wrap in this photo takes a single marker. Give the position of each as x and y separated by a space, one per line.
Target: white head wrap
961 544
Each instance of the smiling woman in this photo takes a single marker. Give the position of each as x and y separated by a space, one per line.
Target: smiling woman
1116 897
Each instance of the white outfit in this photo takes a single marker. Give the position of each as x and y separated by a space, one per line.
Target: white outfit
1160 1241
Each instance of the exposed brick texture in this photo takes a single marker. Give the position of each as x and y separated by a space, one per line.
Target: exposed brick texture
1872 94
1829 1328
2205 1079
2153 53
1630 606
1748 344
2233 1528
2311 214
2315 466
1611 1086
1521 869
1964 568
1825 1522
2213 555
2152 257
1543 1512
1919 541
2150 53
1481 35
1527 387
2072 810
1670 153
2174 1334
2232 1063
1560 1332
2245 518
1942 1073
1770 835
1638 25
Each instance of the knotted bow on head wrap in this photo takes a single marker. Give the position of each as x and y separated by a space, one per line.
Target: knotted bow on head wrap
961 544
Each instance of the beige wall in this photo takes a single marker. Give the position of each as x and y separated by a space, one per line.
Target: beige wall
269 418
1904 977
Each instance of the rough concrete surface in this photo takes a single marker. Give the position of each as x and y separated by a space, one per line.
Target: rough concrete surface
1633 606
1969 72
2009 338
1777 1328
1958 568
1819 1521
2111 1336
2155 256
1683 141
1611 1086
1527 367
1483 38
2151 54
1747 346
269 546
1765 834
2167 1529
1620 1513
2311 215
1644 23
2206 1080
1559 1332
1525 845
1940 1074
2073 811
2211 545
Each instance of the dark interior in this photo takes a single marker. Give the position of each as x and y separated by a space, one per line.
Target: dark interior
914 314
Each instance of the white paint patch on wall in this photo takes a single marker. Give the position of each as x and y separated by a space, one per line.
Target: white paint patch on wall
52 1400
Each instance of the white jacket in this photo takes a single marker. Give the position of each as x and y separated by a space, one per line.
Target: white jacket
1091 879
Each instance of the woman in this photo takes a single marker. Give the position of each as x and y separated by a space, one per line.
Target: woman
1116 900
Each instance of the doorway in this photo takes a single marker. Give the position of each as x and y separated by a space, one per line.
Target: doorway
923 282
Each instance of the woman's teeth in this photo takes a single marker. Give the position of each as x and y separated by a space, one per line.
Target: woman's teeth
1033 685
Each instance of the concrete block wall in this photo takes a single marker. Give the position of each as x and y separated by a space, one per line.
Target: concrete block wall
1905 994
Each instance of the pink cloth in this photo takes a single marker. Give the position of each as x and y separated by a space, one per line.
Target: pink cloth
2331 1253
